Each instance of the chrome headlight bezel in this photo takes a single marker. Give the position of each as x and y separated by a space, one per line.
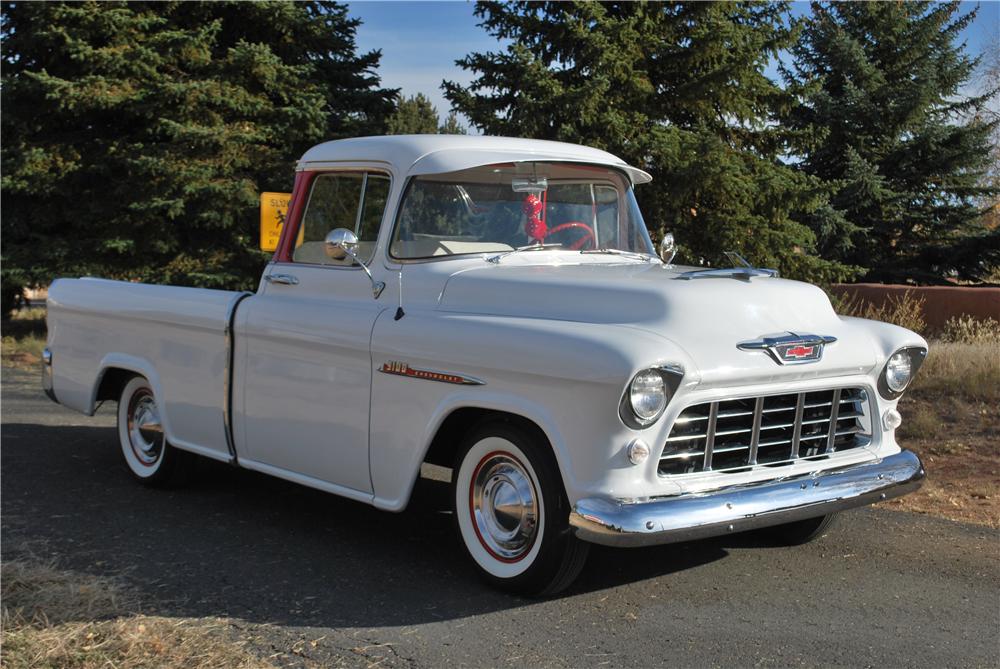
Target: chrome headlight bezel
915 355
671 376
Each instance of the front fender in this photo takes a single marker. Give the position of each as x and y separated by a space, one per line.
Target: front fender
886 338
397 472
567 378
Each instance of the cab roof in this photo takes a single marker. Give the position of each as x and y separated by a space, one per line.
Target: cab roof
411 155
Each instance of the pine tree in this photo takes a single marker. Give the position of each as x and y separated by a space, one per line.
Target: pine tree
677 89
414 115
452 126
886 125
137 136
990 202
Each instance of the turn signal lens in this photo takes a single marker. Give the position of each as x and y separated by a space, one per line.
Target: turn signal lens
891 419
638 451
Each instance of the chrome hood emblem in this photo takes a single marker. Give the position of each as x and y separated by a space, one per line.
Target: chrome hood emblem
789 348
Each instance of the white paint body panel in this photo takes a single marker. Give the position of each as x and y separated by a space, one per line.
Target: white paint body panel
175 337
303 373
555 335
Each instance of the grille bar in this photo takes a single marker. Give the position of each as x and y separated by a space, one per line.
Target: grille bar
834 415
713 419
758 414
800 406
765 431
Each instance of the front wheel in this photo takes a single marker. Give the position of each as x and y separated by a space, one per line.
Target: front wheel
148 455
511 511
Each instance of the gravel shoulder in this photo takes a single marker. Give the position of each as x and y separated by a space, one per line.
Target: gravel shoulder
307 579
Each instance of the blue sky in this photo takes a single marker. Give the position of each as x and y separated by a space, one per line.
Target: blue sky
420 41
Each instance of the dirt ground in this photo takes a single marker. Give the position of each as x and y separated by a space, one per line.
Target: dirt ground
959 442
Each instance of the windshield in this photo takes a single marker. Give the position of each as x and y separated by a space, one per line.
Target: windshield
497 208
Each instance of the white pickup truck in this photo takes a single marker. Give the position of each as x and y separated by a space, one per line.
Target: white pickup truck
496 306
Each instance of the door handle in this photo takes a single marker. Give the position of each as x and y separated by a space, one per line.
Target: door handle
286 279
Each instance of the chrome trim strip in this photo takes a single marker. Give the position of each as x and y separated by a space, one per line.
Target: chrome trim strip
614 522
741 273
361 204
227 376
284 279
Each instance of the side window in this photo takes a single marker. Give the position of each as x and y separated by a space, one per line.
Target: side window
352 200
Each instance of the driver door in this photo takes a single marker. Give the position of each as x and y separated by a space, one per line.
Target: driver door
304 339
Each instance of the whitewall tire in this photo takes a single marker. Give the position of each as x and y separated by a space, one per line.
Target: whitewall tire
148 455
511 511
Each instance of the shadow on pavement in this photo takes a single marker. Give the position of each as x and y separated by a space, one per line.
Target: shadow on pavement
240 544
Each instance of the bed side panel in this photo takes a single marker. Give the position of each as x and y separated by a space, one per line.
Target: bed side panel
174 336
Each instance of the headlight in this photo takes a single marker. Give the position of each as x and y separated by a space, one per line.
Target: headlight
647 395
899 371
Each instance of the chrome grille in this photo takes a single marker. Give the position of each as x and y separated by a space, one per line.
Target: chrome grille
738 434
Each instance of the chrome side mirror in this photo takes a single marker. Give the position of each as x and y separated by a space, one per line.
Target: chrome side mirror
341 243
668 249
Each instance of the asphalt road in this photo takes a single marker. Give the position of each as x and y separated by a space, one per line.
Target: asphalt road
311 578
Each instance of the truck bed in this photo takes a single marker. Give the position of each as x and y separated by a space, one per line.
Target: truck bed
176 337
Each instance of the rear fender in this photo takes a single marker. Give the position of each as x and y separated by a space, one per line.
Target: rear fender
141 368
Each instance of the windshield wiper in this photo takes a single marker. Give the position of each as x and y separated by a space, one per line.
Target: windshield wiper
530 247
645 257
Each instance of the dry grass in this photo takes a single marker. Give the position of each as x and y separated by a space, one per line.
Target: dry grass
23 337
967 371
66 620
959 443
951 418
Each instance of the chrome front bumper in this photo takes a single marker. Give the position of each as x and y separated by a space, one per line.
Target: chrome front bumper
736 509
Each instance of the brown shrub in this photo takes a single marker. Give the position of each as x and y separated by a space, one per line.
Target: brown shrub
906 310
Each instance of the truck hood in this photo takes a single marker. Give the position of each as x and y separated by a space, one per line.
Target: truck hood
705 317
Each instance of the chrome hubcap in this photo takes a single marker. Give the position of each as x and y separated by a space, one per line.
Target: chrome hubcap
145 433
504 507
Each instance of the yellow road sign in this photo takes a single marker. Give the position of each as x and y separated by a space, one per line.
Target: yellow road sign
273 210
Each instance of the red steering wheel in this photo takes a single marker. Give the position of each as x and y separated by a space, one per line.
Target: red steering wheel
588 237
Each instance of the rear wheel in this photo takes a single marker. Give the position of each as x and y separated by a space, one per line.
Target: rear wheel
148 455
511 511
799 532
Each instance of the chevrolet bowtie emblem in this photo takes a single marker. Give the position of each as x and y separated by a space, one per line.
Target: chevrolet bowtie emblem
789 348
